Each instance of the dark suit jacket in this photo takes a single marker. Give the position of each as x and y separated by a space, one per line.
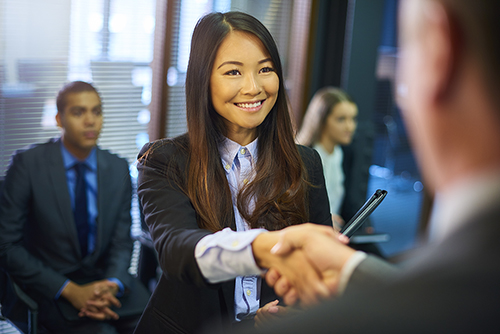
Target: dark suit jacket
183 301
451 287
38 239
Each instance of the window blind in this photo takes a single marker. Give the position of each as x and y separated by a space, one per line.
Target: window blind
46 44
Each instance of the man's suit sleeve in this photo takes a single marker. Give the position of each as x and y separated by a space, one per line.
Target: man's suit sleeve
14 210
168 212
371 271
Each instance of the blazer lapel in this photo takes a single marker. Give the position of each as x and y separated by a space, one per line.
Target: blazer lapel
57 175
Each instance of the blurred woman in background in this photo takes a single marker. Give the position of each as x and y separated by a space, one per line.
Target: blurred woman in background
328 126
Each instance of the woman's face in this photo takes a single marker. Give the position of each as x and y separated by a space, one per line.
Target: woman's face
341 123
243 85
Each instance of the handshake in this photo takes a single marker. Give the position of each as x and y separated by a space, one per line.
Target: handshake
304 261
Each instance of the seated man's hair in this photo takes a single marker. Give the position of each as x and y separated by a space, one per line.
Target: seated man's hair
71 88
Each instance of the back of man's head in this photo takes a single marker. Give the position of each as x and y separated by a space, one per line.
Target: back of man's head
73 87
481 36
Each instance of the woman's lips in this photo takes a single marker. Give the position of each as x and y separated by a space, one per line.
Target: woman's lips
250 106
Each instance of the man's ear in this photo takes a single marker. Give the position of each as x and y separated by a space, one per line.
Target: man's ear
442 45
58 119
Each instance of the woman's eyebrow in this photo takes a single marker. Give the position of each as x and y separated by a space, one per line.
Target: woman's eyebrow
234 62
230 62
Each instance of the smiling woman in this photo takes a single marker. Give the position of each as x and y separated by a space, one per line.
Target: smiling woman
208 194
244 85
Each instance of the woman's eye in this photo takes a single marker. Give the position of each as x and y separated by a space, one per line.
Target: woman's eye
233 72
267 69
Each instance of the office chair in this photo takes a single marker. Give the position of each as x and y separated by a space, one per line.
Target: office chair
8 284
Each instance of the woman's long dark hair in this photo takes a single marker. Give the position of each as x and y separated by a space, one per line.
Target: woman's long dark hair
279 186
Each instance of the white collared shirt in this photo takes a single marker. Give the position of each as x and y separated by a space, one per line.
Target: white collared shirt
334 175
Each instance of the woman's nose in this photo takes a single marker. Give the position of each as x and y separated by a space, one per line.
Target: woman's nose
251 85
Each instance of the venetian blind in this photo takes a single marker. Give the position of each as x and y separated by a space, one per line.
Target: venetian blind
44 44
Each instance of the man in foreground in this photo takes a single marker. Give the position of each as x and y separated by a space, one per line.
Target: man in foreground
448 84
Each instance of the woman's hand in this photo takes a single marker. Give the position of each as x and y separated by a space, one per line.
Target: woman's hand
337 222
269 313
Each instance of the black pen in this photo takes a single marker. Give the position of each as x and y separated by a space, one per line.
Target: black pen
358 219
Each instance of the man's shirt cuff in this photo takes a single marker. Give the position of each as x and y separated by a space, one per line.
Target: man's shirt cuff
348 269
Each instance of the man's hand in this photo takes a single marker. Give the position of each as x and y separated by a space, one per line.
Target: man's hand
324 249
295 266
93 300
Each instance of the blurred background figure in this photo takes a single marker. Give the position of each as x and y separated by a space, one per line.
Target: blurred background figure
328 126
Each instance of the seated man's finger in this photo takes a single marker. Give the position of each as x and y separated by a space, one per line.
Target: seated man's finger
97 303
113 300
104 314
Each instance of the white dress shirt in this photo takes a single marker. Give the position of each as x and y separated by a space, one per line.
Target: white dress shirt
334 175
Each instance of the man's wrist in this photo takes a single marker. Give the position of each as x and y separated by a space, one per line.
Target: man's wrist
261 248
117 288
68 289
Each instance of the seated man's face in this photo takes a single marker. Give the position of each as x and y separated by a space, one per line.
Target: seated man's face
81 122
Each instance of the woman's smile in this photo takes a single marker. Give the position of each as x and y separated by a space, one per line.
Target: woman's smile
243 84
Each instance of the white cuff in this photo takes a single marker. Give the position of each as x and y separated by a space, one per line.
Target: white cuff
348 269
227 254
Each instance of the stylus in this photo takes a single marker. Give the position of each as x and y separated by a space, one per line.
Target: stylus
358 219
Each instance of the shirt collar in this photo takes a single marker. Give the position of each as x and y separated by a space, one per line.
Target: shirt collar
70 160
229 150
459 203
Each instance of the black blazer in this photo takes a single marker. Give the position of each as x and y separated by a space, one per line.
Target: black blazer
38 239
183 301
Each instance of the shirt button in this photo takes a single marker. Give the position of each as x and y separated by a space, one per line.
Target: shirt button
227 167
235 243
242 151
245 181
249 292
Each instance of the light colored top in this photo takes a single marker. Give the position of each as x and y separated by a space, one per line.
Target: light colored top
334 175
226 254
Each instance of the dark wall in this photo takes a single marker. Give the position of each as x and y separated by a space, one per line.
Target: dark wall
347 38
329 25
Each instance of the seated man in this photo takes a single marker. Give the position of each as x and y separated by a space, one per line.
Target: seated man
65 225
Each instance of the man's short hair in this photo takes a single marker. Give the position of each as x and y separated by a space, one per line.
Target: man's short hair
71 88
481 32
